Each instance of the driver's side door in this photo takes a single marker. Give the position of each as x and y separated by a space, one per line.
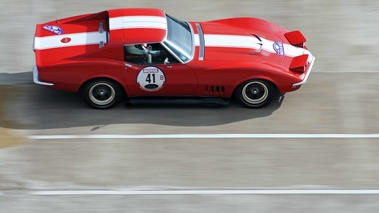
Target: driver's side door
156 72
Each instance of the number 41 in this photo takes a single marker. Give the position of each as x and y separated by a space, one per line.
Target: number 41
150 78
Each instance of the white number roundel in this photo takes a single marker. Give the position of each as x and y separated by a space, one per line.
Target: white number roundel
151 79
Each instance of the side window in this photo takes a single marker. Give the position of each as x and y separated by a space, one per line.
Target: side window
147 54
134 54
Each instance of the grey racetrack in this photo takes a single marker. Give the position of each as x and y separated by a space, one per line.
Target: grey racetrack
340 98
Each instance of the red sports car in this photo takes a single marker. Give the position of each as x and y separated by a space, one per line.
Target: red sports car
135 52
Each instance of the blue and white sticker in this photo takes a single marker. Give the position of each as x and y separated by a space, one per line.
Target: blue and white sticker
151 79
279 48
54 29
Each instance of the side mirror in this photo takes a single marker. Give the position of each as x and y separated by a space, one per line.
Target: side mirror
166 61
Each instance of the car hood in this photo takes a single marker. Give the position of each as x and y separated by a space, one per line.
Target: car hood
220 41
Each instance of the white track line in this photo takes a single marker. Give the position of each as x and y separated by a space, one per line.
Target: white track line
195 192
208 136
208 192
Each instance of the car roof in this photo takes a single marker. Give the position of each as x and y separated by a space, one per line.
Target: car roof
138 25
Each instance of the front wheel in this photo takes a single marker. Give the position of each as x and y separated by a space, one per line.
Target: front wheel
102 93
255 93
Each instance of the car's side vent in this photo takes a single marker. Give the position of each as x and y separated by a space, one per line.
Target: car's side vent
210 89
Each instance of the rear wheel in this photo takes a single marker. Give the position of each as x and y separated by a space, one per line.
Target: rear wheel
102 93
255 93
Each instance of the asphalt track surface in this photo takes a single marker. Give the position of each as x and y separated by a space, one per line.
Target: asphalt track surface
314 150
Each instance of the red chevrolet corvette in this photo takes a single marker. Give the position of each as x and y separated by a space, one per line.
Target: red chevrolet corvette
145 53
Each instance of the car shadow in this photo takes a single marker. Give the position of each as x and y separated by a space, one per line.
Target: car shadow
37 107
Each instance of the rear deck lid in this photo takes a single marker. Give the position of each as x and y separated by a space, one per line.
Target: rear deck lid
65 38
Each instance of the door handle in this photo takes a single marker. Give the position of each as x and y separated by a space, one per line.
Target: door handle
127 65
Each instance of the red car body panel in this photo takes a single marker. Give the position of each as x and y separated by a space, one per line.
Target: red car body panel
74 50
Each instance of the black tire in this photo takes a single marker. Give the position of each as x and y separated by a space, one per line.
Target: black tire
255 93
102 93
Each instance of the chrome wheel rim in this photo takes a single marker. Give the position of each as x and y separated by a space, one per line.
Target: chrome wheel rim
102 94
255 92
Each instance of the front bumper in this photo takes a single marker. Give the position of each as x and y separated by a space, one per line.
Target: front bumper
36 78
306 75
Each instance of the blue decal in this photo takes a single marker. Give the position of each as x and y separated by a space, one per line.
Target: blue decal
54 29
278 47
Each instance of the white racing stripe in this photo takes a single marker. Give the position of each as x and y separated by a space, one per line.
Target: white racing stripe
77 39
127 22
209 192
250 42
89 38
209 136
196 39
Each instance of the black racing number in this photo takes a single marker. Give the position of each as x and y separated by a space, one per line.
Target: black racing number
150 78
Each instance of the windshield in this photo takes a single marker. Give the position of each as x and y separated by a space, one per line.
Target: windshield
179 38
